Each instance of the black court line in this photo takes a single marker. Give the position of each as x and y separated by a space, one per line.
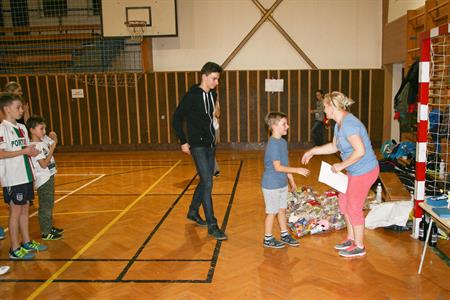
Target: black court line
223 228
104 281
111 259
124 195
139 251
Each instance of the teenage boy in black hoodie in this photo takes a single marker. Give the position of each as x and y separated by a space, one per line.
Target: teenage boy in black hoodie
197 107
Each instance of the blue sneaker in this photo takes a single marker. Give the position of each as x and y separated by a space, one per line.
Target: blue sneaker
21 254
34 246
2 233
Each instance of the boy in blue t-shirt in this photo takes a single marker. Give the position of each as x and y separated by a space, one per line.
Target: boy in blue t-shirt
275 180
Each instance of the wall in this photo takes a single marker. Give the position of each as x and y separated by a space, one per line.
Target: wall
114 117
342 34
398 8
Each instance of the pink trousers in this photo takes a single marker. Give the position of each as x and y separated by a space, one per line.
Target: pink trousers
351 203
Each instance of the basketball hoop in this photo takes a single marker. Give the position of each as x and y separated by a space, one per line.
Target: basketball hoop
136 29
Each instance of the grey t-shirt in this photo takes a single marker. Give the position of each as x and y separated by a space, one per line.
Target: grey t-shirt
276 150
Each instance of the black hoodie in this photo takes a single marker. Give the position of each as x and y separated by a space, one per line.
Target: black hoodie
197 106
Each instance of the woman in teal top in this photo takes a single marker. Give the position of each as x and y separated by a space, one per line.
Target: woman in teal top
358 159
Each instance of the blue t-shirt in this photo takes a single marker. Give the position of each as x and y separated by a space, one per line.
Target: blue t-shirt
352 126
276 150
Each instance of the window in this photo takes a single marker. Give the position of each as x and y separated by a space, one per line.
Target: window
55 8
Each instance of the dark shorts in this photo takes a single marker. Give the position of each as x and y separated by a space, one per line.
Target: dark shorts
19 194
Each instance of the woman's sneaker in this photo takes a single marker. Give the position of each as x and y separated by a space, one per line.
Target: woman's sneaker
344 245
288 239
353 252
21 254
52 236
34 246
273 243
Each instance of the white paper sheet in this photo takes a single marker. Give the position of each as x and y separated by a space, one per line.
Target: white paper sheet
338 181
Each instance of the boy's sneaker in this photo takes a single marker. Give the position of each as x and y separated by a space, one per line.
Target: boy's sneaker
288 239
2 233
344 245
52 236
57 230
34 246
20 254
273 243
353 252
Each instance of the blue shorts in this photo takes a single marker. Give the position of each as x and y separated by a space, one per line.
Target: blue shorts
19 194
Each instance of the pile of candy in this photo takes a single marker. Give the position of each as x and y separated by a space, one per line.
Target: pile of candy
309 212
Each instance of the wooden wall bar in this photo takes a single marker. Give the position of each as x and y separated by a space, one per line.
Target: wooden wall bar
125 111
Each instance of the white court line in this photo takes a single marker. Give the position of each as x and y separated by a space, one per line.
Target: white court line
79 174
72 192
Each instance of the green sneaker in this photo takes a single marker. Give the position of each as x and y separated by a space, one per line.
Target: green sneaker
273 243
34 246
20 254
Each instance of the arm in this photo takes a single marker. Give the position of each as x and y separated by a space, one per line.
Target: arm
283 169
358 152
178 118
329 148
46 161
292 182
217 109
28 150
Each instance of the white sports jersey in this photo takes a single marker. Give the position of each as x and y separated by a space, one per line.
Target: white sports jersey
42 175
16 170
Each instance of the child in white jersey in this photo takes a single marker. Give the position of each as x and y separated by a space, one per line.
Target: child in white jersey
16 175
45 166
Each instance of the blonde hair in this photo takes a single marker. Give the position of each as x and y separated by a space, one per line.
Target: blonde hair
11 87
273 118
338 100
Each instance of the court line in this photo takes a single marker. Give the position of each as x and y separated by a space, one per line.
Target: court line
65 196
55 275
112 260
216 252
155 229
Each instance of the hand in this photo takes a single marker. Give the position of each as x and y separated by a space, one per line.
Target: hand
307 156
31 151
185 148
53 136
293 186
336 168
303 171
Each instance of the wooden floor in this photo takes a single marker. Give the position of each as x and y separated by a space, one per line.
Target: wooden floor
126 236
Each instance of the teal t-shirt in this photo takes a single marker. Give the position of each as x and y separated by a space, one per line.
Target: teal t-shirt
276 150
352 126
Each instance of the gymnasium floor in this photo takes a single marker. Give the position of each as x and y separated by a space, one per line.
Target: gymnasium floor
126 235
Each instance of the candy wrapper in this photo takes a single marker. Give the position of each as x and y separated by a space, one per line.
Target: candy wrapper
310 213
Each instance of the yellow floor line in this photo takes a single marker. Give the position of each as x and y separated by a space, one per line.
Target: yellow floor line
55 275
81 212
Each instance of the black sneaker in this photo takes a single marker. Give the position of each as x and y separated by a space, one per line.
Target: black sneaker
52 236
273 243
217 174
197 219
57 230
215 232
288 239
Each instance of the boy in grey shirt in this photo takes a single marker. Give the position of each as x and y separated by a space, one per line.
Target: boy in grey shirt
275 180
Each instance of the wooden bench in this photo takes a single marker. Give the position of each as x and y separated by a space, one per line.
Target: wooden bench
393 188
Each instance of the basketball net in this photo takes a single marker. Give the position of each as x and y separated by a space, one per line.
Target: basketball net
136 29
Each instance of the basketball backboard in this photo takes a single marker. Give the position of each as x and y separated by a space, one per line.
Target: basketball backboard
160 17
